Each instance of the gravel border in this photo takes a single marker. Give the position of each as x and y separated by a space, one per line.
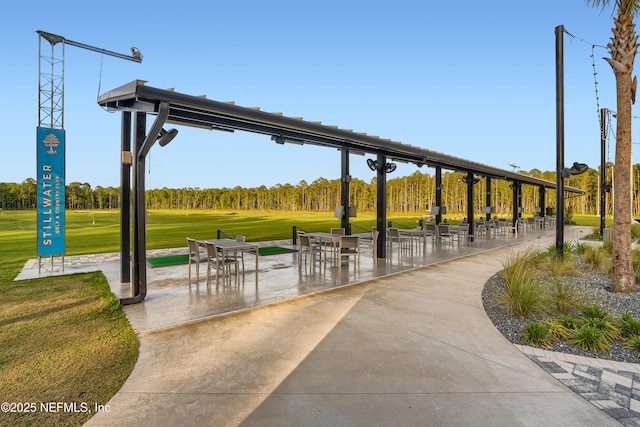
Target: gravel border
593 287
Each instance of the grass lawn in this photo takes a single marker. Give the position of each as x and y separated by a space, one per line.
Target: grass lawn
65 339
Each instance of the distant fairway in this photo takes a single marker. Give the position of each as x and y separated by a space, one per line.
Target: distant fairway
99 231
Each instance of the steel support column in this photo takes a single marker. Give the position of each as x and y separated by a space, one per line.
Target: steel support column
603 170
542 201
488 197
142 146
559 140
439 193
345 179
139 282
517 196
470 205
381 209
125 199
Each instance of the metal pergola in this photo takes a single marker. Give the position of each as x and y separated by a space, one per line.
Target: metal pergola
171 107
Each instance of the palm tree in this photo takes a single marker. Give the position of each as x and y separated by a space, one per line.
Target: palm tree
623 48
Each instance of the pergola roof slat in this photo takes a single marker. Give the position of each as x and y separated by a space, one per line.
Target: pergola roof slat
198 111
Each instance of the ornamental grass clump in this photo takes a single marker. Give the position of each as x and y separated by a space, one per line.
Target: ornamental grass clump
596 259
628 325
595 330
633 343
524 297
608 330
564 299
581 248
589 338
594 312
570 322
536 334
557 329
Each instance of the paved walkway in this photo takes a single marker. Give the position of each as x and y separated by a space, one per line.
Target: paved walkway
412 348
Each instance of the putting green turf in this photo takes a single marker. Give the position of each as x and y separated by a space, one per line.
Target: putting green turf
184 259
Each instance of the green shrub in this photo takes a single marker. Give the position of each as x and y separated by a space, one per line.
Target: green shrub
608 330
595 234
536 334
595 258
628 325
570 322
589 338
567 248
581 248
564 299
633 343
594 312
557 329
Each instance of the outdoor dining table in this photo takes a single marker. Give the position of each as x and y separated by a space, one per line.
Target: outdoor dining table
459 231
328 240
413 233
227 246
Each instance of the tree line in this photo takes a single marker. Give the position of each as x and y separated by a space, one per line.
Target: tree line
414 193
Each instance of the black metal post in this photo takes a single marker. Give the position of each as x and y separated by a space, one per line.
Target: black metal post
488 197
345 179
470 206
125 199
542 201
143 143
517 196
439 193
139 237
559 140
382 205
603 170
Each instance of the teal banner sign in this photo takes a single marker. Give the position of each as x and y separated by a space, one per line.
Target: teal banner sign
51 195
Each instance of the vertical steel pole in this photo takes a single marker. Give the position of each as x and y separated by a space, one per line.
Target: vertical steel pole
345 179
139 243
488 197
125 199
439 193
517 196
381 221
559 140
470 205
603 170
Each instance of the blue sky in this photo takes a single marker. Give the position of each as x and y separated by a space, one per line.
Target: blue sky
475 80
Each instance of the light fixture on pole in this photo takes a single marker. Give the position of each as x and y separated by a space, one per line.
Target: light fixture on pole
514 166
373 165
166 136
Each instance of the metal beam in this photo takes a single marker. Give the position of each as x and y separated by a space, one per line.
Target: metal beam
53 39
202 112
